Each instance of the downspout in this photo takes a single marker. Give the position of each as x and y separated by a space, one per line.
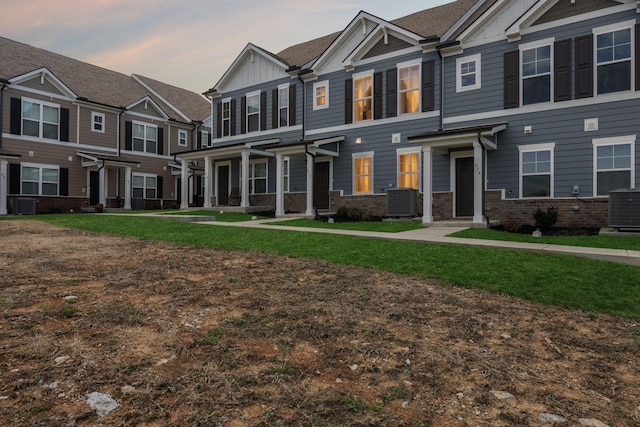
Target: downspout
483 177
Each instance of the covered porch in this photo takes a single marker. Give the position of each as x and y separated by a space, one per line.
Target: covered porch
98 166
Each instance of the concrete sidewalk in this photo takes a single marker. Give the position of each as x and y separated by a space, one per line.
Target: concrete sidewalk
440 235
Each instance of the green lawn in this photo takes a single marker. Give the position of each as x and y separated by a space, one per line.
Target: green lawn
621 241
381 226
560 280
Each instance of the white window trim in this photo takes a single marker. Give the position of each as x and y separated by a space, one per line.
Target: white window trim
95 114
608 29
205 138
409 150
399 66
355 156
616 140
146 125
40 166
252 178
286 173
532 45
222 119
250 95
529 148
144 188
325 84
477 58
181 133
41 119
280 107
356 76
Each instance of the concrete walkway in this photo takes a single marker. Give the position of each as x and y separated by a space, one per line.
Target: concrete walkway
440 235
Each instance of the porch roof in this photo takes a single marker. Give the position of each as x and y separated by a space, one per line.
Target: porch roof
4 154
461 137
105 159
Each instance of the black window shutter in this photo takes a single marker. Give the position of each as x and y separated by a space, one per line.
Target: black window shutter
637 55
348 101
64 182
562 72
14 178
209 139
199 143
160 141
15 126
292 105
511 79
428 86
275 113
243 115
64 124
233 117
263 110
584 66
392 92
219 120
159 187
377 95
128 136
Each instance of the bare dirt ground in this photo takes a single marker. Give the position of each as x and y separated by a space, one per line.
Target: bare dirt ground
185 336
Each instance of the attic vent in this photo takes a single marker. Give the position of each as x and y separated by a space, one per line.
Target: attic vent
624 208
401 202
590 125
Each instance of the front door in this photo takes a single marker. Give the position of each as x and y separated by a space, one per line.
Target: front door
223 185
321 185
464 186
94 188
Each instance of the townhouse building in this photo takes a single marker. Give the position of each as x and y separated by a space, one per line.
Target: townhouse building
73 136
486 109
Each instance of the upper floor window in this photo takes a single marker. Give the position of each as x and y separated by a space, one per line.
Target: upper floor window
363 97
258 176
363 173
40 119
226 117
468 73
321 95
144 186
253 112
409 88
39 180
97 122
536 170
613 60
145 138
182 137
283 105
536 73
613 165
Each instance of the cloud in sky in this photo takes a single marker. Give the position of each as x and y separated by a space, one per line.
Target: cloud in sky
186 43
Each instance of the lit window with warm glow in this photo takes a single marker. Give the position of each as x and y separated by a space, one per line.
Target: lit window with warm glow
363 98
363 173
409 170
409 84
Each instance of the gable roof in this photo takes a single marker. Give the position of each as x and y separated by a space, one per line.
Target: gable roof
189 105
86 81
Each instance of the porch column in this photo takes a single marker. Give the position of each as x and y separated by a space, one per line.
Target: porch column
102 173
207 182
127 188
310 163
478 185
184 176
279 185
244 192
3 187
427 187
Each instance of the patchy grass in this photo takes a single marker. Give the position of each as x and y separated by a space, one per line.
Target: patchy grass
622 241
379 226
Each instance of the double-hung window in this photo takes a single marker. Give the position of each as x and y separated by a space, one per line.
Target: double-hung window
40 119
613 164
144 186
283 105
97 122
613 59
145 138
363 97
253 112
39 180
468 73
258 177
363 173
536 72
205 138
182 137
321 95
409 168
409 88
226 117
536 170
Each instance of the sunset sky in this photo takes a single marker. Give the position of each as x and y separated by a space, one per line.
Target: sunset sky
186 43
